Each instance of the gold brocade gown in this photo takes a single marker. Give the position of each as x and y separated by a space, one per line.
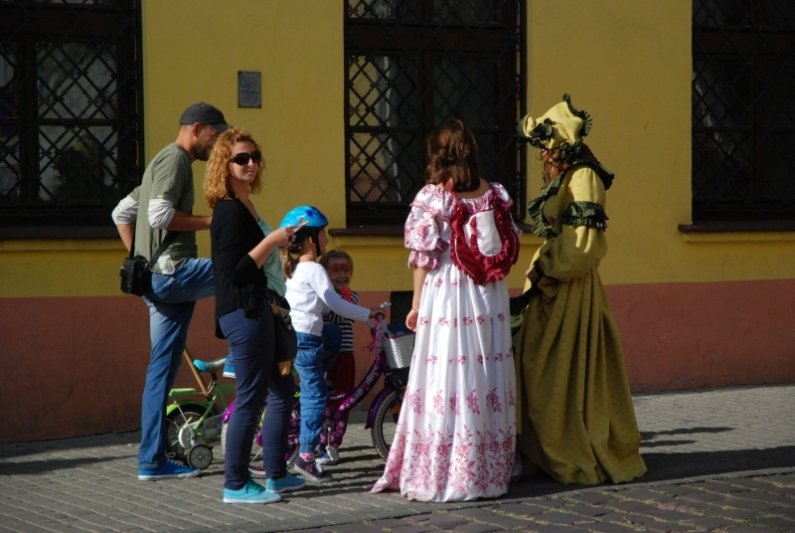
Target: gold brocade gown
575 416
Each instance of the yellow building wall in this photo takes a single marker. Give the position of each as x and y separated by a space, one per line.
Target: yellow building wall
627 62
635 83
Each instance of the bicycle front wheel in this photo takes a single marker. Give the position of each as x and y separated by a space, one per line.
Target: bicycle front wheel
384 423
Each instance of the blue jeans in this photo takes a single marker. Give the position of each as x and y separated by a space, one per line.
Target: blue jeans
311 362
251 341
171 305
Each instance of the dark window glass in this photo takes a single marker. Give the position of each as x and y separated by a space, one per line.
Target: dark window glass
411 65
743 110
70 118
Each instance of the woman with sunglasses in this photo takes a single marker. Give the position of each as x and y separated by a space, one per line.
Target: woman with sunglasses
239 249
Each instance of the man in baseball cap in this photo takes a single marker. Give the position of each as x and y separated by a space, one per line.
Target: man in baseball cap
204 114
156 220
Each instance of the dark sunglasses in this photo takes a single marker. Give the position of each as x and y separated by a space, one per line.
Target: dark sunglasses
243 158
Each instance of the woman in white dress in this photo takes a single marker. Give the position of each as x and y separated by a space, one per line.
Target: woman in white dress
456 435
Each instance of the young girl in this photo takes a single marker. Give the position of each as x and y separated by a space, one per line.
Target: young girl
342 374
310 294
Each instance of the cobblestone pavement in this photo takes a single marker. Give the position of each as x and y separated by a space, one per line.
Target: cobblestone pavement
719 460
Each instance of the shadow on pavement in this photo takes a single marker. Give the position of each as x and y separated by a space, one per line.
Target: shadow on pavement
666 466
49 465
19 449
674 466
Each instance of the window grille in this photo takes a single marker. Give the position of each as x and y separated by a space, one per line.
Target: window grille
411 65
743 110
70 113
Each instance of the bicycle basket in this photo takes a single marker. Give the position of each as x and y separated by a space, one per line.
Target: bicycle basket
398 345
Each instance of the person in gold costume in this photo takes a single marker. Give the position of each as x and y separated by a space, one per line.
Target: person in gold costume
574 407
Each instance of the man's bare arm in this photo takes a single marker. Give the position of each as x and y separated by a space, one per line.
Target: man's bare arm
126 232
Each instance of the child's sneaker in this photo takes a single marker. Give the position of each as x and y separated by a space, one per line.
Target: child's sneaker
167 470
256 470
330 456
311 470
285 484
229 367
250 493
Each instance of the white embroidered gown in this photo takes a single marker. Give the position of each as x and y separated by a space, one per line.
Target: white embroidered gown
455 438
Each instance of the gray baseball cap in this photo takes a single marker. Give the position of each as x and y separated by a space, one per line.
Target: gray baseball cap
204 113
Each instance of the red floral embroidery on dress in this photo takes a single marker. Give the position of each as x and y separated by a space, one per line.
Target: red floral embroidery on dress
438 403
442 462
480 319
425 232
443 321
414 400
445 445
494 401
472 402
464 473
454 404
480 359
421 446
468 320
501 317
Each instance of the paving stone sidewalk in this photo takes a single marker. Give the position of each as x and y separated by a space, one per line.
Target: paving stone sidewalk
719 460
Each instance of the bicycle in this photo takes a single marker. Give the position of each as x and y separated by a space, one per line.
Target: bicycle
194 414
391 349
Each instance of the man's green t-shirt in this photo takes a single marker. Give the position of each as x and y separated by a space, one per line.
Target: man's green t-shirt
169 176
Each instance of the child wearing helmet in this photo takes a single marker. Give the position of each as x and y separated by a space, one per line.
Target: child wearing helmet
311 294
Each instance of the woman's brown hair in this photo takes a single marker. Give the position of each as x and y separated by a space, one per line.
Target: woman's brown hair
452 155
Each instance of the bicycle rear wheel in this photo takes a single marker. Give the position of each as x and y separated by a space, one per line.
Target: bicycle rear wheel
384 423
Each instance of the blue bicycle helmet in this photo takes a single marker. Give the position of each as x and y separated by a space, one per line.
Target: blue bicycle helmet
312 215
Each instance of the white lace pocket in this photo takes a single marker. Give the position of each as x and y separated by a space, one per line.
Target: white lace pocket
484 226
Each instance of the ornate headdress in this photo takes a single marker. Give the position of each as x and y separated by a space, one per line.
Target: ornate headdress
562 124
